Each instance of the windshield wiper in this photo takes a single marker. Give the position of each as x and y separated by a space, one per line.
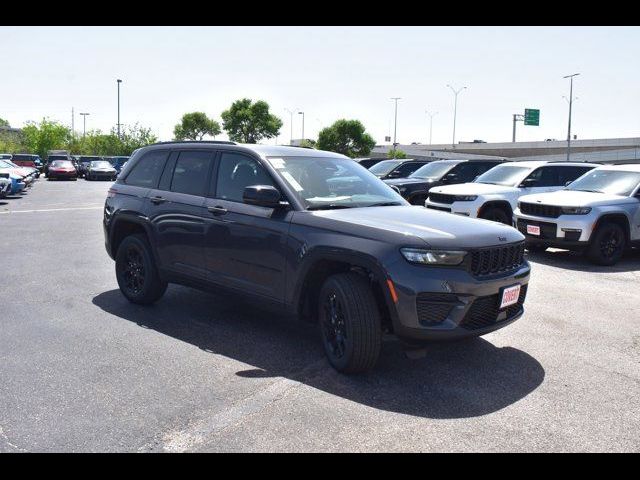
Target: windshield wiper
329 206
384 204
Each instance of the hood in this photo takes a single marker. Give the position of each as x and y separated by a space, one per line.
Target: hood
574 198
436 229
409 181
474 189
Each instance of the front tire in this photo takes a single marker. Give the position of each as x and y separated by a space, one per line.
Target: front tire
607 245
496 215
350 323
137 273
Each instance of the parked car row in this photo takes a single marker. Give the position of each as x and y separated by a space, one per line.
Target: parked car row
14 179
586 207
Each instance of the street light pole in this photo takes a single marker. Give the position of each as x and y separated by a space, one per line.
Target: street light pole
119 82
290 126
84 121
455 111
431 115
570 77
395 122
302 113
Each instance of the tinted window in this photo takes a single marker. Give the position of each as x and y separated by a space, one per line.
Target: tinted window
546 177
466 172
406 169
147 170
190 172
569 174
236 172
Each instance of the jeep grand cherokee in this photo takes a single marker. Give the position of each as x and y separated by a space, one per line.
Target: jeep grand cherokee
312 234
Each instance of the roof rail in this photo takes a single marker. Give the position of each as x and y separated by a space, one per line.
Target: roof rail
222 142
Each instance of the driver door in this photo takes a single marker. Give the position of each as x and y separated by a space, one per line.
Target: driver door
245 245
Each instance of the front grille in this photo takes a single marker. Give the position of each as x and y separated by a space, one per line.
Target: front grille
538 210
442 198
434 308
547 230
494 260
485 312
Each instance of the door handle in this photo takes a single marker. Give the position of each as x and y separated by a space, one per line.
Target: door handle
217 210
157 200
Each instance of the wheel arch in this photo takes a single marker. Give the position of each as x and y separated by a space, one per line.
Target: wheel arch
501 204
618 218
126 224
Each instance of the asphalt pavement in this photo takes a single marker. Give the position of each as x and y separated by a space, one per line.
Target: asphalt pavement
81 369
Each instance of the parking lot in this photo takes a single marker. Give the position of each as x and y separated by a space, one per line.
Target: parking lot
84 370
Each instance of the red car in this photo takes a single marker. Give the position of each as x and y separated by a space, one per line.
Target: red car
62 169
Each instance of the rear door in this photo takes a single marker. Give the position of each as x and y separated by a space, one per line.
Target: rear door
177 213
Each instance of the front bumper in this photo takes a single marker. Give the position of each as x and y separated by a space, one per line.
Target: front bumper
565 231
62 174
107 175
439 303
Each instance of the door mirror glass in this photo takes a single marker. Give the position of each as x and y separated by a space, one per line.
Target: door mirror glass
262 196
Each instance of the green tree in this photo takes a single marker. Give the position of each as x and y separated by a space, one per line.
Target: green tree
46 135
347 137
396 154
249 122
308 143
4 123
194 126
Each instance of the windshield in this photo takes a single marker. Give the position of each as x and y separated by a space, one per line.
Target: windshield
100 164
506 175
62 163
614 182
5 164
325 183
57 157
382 168
434 169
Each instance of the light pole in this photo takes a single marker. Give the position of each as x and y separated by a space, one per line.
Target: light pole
119 82
431 115
84 123
290 125
570 77
455 111
395 122
302 113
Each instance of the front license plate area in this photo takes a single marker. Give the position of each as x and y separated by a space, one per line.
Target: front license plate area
509 296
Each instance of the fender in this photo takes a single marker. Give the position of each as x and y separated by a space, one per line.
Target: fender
353 257
615 216
137 218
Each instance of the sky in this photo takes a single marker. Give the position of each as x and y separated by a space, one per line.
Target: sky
330 73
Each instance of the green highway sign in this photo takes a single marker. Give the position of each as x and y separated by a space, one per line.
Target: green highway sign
531 116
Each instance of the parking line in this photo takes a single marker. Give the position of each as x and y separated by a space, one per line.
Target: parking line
53 209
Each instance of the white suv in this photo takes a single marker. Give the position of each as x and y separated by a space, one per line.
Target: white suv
494 194
598 213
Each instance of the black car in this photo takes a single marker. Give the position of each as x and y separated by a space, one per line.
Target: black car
396 168
415 187
264 223
368 162
100 170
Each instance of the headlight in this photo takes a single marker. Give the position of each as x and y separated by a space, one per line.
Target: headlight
466 198
575 210
433 257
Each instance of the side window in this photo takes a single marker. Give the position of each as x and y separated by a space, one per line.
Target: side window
483 167
569 174
190 172
147 170
237 171
465 172
546 176
406 169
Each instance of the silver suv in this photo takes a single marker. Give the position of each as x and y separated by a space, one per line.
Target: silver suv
598 213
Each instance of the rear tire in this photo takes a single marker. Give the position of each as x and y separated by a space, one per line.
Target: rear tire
350 323
607 244
496 215
136 271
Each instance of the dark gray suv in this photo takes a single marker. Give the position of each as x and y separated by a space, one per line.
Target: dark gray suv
312 234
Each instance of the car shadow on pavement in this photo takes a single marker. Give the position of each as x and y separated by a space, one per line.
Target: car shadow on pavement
454 380
569 260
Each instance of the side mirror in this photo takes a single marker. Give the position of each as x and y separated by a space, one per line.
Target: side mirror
568 182
529 182
450 178
262 196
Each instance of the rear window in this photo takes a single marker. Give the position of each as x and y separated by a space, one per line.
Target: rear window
147 170
190 172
